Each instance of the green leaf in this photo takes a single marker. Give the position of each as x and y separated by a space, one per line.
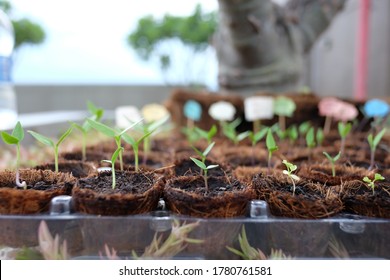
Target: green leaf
378 177
130 127
116 154
198 152
18 132
9 139
156 124
208 149
129 140
367 180
43 139
242 136
63 136
212 132
337 157
310 138
370 140
144 136
379 136
304 127
328 156
270 141
199 163
106 130
77 126
201 132
344 129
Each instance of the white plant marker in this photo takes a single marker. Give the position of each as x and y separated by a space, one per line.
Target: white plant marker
222 111
126 115
258 108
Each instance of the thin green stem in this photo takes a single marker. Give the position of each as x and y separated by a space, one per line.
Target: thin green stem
56 159
333 168
135 149
118 145
84 147
205 180
17 156
113 175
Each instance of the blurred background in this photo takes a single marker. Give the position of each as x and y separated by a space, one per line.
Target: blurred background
90 51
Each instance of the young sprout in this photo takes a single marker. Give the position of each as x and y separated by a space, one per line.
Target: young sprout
373 142
292 133
207 134
203 155
135 145
344 129
229 130
290 169
310 140
205 169
15 138
255 137
112 161
371 183
111 132
271 146
49 142
191 134
333 161
319 136
96 115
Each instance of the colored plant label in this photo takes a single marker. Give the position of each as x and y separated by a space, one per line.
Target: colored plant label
192 110
259 108
376 108
222 111
284 106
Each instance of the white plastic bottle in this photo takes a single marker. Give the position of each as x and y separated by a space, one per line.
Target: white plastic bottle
8 109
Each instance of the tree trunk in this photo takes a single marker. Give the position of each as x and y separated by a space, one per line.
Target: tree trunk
260 45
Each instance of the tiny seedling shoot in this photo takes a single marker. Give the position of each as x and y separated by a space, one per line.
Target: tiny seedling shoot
207 134
112 161
289 172
373 142
203 155
15 138
255 137
230 131
113 133
332 161
271 146
371 183
344 129
205 170
49 142
96 115
135 145
310 141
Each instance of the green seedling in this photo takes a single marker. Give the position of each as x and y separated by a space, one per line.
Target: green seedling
114 157
371 183
230 131
191 134
310 140
207 134
255 137
320 136
113 133
203 155
289 172
292 133
96 115
135 145
344 129
332 161
373 142
205 170
49 142
271 146
15 138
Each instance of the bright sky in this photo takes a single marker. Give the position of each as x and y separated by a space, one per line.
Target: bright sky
86 41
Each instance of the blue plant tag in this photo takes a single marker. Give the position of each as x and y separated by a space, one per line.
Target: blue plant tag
192 110
376 108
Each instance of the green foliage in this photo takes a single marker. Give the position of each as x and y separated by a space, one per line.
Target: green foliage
203 155
332 161
290 168
204 168
49 142
194 31
320 136
344 129
230 131
371 183
112 161
271 146
207 134
26 31
15 138
310 140
96 115
374 142
256 137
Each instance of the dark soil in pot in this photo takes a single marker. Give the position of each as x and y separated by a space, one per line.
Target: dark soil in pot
310 201
322 173
42 186
226 197
135 193
77 168
359 199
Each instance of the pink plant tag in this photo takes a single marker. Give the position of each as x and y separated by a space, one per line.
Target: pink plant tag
327 106
337 109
